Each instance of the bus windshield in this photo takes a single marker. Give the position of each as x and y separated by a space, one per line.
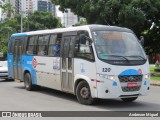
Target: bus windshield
113 45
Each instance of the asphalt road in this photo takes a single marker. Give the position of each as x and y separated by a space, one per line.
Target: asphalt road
14 97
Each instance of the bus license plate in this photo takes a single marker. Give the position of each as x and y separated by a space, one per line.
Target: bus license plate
132 84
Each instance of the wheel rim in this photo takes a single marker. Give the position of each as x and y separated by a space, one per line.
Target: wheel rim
84 92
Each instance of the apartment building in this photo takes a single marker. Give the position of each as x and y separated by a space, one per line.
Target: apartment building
69 18
43 5
2 15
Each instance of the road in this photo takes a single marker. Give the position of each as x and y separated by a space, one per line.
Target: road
14 97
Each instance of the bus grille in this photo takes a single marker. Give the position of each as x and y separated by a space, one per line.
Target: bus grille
127 89
133 78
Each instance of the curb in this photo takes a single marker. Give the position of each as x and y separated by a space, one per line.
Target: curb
155 82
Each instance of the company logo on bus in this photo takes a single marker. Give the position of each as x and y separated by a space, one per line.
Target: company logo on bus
34 63
140 71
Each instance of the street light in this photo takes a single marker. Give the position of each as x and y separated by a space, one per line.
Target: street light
22 13
21 21
29 14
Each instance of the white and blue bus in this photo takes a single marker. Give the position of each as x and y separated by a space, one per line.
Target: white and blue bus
95 61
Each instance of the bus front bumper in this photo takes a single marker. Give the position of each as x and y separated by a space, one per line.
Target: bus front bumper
114 89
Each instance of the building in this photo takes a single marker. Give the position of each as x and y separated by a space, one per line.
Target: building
27 6
43 5
69 19
16 5
2 15
52 8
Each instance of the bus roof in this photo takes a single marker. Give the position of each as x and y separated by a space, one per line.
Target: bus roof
76 28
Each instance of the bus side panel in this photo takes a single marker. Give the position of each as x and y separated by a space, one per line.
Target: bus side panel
10 66
48 71
28 65
86 70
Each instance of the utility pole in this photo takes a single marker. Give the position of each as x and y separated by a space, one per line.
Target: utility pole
21 22
21 16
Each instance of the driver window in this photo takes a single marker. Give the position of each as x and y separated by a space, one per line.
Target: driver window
83 49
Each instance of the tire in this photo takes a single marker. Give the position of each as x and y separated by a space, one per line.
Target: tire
28 82
129 99
83 93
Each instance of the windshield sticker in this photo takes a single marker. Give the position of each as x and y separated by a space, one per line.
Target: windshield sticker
56 63
82 70
112 36
95 33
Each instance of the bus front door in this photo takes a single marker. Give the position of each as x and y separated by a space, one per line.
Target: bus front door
17 68
67 52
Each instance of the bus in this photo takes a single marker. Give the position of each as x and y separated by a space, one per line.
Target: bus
94 61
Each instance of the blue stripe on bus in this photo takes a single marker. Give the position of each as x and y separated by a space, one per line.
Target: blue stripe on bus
129 72
19 35
10 66
27 65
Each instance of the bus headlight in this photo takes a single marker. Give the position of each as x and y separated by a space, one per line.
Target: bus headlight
110 77
146 76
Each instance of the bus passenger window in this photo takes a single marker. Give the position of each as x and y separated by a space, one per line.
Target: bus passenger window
31 46
43 45
30 50
54 45
56 48
51 44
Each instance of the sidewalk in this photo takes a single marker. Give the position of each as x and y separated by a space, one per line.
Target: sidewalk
155 82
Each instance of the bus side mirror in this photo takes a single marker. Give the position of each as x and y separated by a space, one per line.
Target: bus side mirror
141 40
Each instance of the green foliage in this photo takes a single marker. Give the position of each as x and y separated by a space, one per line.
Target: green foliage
7 8
81 22
137 15
155 78
157 64
38 20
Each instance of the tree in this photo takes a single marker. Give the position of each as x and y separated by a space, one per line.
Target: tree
40 20
7 8
137 15
36 21
81 22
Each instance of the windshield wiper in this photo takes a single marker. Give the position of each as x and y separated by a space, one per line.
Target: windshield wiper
137 56
119 56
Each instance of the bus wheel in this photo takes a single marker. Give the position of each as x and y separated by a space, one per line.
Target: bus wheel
28 82
129 99
83 93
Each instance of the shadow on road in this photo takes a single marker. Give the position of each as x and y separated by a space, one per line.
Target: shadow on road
6 80
116 103
104 104
52 92
58 94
